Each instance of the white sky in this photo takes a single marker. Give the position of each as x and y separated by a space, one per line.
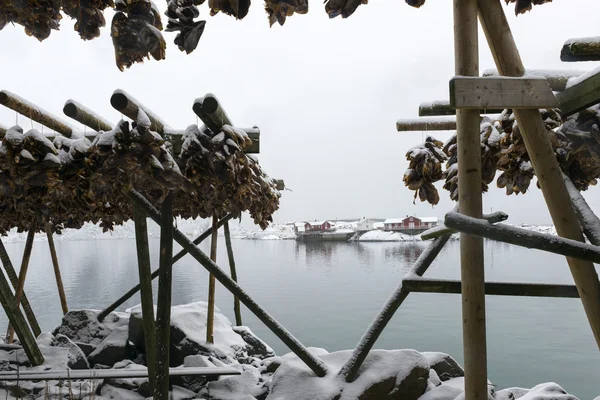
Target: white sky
325 93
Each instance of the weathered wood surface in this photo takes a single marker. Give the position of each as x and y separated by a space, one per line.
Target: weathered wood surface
581 95
590 223
56 266
112 373
22 274
368 339
442 229
475 93
316 365
3 130
543 159
117 303
85 116
210 316
163 309
523 237
129 106
425 124
236 302
29 110
584 49
557 79
493 288
14 280
442 107
143 259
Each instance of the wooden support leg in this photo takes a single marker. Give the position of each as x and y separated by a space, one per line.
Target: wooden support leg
14 280
211 284
59 283
10 334
466 56
236 301
163 312
143 256
539 148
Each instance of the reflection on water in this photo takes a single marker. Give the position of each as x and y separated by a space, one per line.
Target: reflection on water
327 293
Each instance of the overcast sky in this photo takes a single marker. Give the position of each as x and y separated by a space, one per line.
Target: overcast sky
325 93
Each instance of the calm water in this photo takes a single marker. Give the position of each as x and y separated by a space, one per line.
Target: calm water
327 293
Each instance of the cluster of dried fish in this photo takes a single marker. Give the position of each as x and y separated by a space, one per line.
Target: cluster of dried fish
345 8
425 168
225 178
236 8
38 17
521 6
279 10
89 15
181 14
135 32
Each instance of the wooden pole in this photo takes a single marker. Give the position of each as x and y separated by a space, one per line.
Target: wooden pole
466 58
23 273
34 112
236 301
539 148
316 365
588 220
163 313
128 105
155 273
143 257
211 284
86 116
442 107
425 124
210 111
59 283
14 280
442 229
584 49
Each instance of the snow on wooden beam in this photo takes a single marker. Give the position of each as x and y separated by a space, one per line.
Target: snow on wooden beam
584 49
581 92
557 79
522 237
590 223
493 288
442 229
500 92
30 110
442 107
129 106
87 117
426 124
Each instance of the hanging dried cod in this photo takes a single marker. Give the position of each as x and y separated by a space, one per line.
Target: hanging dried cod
279 10
89 15
425 167
38 17
181 14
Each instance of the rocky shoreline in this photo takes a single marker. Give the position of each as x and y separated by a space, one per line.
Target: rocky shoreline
82 342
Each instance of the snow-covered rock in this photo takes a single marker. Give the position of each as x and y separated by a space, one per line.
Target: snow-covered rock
444 365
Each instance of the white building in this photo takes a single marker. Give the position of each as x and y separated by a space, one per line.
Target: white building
367 224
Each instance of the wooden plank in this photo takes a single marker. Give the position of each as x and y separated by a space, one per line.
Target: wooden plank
584 93
54 257
34 112
111 373
128 105
143 258
87 117
210 317
543 159
163 312
491 92
493 288
442 230
584 49
426 124
236 302
442 107
557 78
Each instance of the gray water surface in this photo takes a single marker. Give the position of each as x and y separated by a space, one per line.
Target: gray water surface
326 294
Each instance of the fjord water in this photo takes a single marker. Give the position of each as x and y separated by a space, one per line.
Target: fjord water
326 294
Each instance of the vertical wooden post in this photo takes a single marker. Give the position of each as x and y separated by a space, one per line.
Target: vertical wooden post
539 148
59 283
14 280
236 301
163 312
211 283
10 335
143 256
466 56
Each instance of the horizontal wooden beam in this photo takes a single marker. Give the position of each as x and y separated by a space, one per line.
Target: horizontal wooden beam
580 94
557 79
584 49
523 237
589 221
442 107
85 116
442 229
425 124
37 114
129 106
492 288
501 92
111 373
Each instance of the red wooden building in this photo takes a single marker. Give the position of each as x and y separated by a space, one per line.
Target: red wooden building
317 226
397 224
